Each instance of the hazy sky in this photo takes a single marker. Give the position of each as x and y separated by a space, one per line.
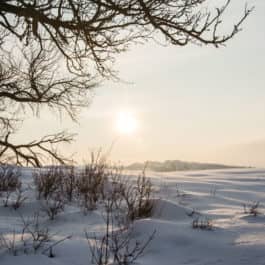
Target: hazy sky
192 103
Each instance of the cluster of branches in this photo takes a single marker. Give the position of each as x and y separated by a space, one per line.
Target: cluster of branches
83 36
121 199
34 236
31 83
96 183
96 29
117 245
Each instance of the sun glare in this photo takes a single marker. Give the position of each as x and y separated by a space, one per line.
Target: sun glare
126 122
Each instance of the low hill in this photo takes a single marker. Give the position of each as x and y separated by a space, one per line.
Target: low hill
176 165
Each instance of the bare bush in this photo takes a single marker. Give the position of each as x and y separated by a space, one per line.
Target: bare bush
10 243
117 245
34 234
116 187
132 199
19 199
69 182
6 196
50 248
144 200
33 237
62 179
9 178
48 181
252 209
52 206
138 198
9 182
91 182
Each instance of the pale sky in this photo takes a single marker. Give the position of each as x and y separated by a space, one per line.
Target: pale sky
192 103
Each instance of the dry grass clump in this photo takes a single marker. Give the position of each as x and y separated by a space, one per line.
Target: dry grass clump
202 223
252 209
10 183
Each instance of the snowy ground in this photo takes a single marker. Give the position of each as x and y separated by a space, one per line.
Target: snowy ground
236 237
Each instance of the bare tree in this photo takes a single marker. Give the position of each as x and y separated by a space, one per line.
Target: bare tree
67 44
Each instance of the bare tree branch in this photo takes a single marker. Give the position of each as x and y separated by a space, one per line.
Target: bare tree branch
95 30
36 81
34 153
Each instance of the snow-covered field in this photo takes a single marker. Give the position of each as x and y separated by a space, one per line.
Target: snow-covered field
217 195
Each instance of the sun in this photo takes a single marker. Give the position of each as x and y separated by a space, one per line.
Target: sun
126 122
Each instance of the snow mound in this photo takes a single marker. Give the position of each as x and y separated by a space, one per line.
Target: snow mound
168 210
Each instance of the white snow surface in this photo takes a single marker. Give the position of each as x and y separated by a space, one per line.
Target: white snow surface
219 195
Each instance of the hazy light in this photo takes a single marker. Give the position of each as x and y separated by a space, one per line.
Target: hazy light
126 122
